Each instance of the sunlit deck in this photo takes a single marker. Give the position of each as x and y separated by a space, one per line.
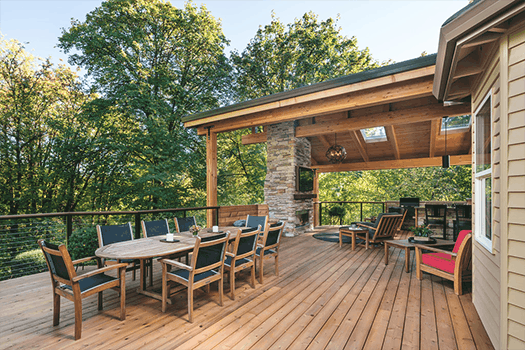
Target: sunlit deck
325 298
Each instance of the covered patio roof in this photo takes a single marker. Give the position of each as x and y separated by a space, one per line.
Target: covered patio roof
397 97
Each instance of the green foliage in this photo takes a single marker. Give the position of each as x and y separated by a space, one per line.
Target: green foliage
338 212
28 262
421 231
83 243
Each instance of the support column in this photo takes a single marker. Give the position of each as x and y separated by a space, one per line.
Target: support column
211 176
316 191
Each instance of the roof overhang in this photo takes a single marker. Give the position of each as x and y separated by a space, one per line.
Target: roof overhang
464 40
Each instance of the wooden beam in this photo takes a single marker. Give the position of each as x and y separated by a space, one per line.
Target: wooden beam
405 116
251 139
485 38
384 94
391 135
469 65
360 142
341 90
434 130
316 192
313 161
325 142
464 159
211 176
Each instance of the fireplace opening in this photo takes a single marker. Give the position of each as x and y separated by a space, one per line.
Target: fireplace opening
303 218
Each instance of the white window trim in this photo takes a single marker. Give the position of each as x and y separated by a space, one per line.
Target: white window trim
479 202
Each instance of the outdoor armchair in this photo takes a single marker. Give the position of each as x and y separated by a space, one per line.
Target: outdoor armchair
184 224
66 283
386 227
256 221
268 247
242 256
455 266
207 266
114 234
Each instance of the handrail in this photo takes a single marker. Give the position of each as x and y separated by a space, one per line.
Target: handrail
320 205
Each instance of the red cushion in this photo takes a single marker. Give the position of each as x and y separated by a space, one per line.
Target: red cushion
461 237
440 261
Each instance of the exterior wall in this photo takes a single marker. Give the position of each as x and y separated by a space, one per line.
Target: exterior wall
513 292
499 278
229 214
285 152
486 265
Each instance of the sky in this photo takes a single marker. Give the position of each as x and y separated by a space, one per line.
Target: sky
392 30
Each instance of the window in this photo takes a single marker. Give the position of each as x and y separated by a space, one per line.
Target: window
377 134
456 124
483 174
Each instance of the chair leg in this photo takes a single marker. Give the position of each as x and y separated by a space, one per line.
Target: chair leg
419 274
190 303
150 272
221 289
208 288
56 309
261 269
277 265
252 277
458 284
78 317
135 271
232 284
100 301
123 294
164 286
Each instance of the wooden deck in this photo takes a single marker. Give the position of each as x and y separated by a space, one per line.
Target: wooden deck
325 298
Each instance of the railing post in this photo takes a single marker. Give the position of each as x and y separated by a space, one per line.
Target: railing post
69 227
137 225
217 216
320 214
361 216
383 207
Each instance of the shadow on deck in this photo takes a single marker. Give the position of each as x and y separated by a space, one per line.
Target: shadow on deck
325 298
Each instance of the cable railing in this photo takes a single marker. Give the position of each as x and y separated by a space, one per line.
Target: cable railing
346 212
19 251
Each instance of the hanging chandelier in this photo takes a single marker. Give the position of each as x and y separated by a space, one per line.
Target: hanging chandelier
336 153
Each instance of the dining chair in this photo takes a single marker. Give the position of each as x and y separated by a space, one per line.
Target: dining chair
207 266
463 219
114 234
184 224
268 246
436 215
242 256
66 283
455 265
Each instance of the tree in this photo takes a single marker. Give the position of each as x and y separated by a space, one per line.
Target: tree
279 58
153 63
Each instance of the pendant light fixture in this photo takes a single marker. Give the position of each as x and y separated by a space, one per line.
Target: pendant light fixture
446 158
336 153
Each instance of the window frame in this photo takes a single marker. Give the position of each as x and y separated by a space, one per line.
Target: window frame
480 179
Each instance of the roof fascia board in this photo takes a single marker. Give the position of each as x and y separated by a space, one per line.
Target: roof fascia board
453 31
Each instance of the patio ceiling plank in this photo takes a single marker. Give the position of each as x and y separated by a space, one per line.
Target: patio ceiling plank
398 117
391 135
360 142
464 159
434 130
372 97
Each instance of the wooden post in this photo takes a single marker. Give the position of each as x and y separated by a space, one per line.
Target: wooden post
211 176
316 191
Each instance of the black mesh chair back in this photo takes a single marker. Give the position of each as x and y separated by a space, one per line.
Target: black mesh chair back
184 224
436 214
114 234
155 228
56 262
247 243
274 234
255 221
210 253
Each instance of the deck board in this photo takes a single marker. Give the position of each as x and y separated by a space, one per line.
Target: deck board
326 297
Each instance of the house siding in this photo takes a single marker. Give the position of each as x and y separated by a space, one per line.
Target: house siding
515 264
486 265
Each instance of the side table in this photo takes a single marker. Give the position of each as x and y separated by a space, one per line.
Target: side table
350 232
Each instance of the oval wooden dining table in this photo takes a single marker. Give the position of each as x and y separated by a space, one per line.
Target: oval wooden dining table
143 249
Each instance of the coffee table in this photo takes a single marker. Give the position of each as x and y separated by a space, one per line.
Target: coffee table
407 246
350 231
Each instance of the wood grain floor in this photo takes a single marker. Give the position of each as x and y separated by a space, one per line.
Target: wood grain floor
325 298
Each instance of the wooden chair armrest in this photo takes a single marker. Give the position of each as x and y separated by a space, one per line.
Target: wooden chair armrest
231 255
434 249
176 264
89 258
369 227
99 271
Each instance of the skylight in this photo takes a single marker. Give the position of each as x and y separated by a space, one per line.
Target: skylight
459 123
377 134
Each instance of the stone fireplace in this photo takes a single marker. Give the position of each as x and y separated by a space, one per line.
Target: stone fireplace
285 153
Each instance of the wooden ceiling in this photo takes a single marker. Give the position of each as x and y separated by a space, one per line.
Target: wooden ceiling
402 103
